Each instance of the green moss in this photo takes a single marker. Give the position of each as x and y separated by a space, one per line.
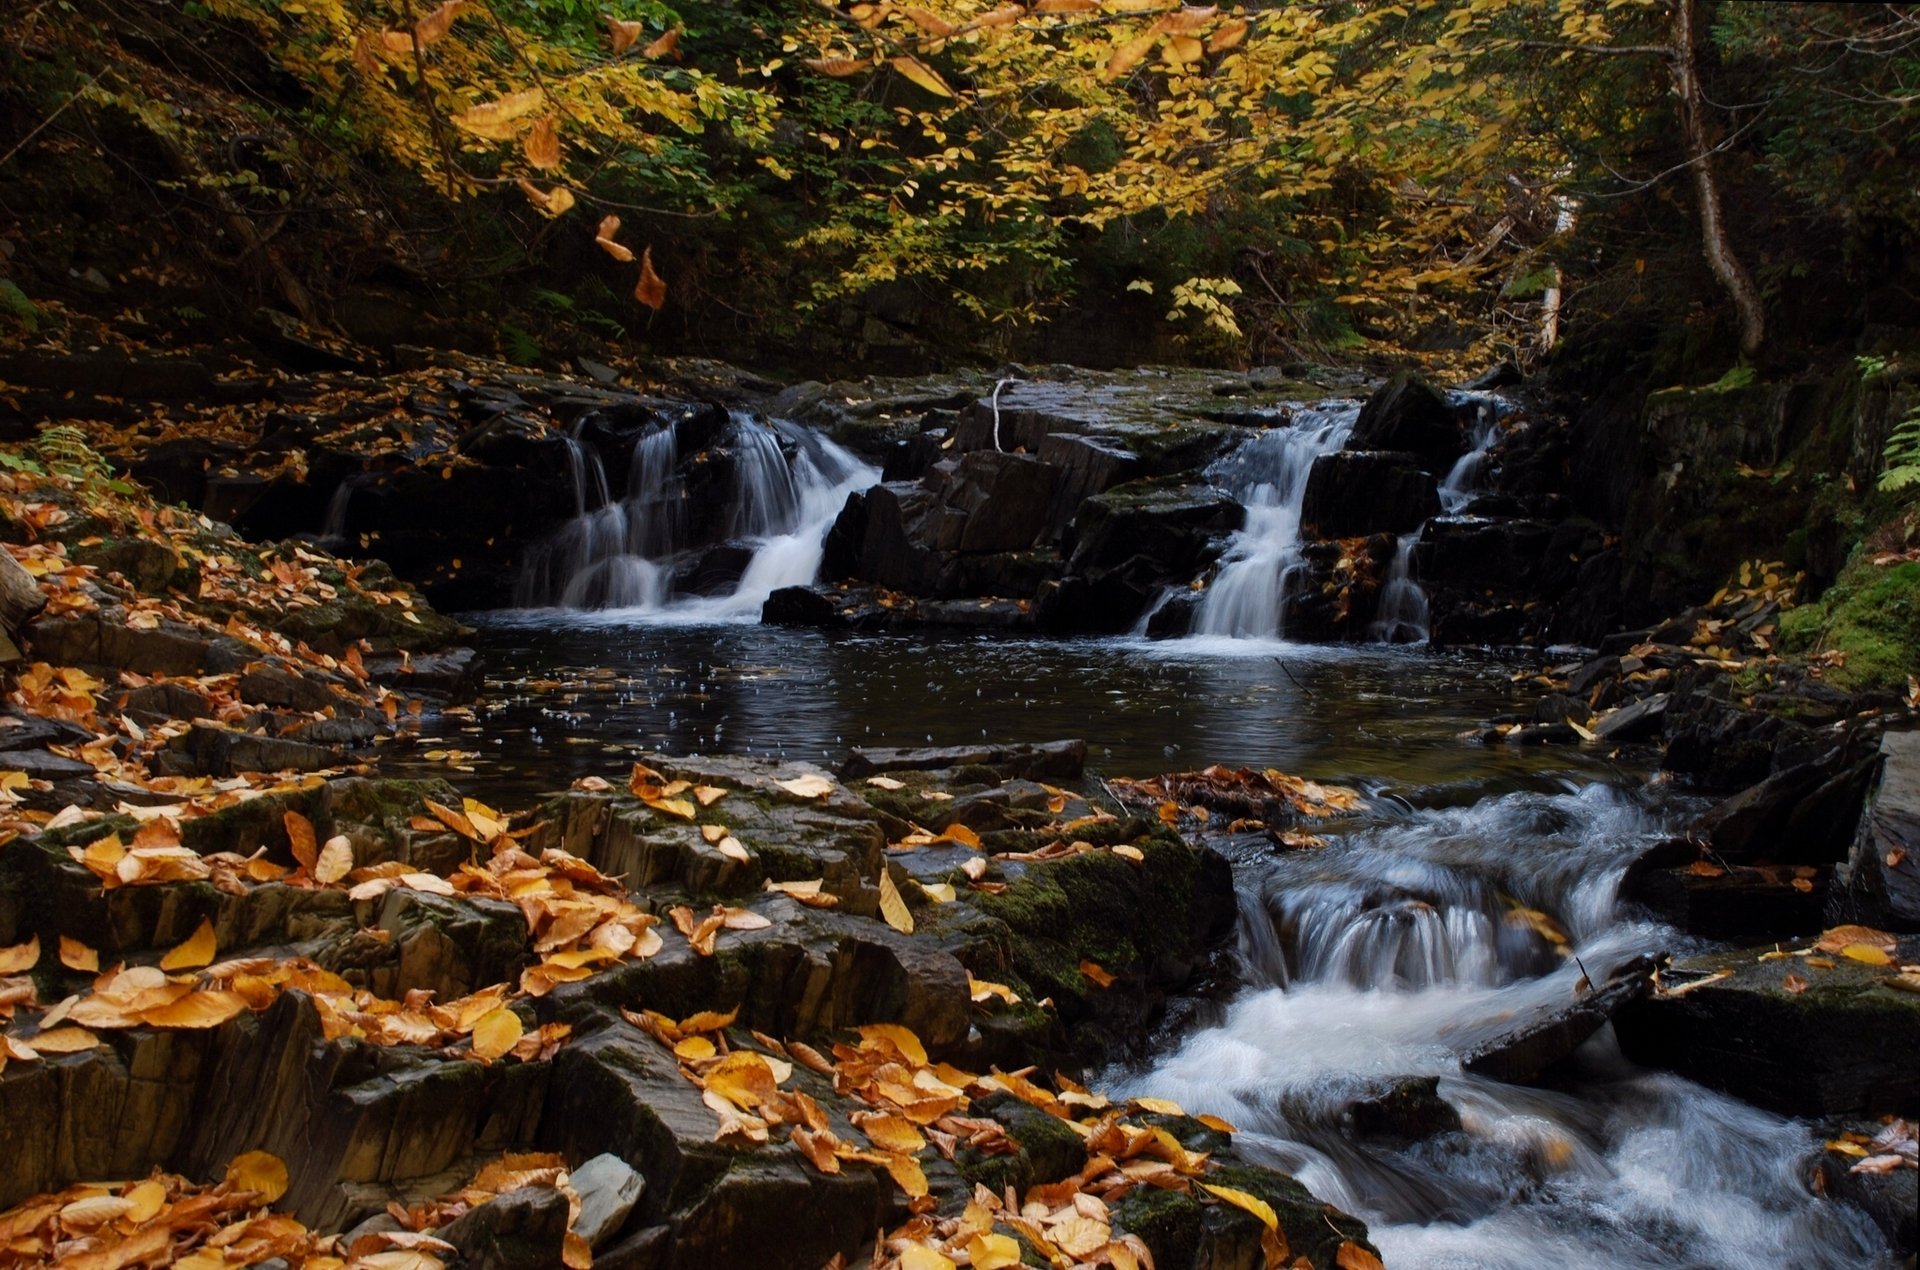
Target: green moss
1169 1222
1872 614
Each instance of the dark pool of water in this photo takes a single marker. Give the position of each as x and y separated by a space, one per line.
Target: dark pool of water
573 694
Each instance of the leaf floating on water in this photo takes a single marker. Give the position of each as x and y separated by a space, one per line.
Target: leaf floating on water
808 786
892 907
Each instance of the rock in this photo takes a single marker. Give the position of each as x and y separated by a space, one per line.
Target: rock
520 1230
1843 1043
1050 760
1499 375
1722 746
1087 466
1129 545
1879 882
41 765
608 1190
1406 413
1400 1111
1526 1049
450 675
1738 903
801 606
1891 1199
214 751
1639 721
1351 493
1007 500
1803 815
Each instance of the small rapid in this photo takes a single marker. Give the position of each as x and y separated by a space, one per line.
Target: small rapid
635 553
1422 934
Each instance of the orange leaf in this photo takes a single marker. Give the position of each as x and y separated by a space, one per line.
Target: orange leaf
603 239
261 1172
75 955
1351 1256
625 34
496 1032
306 846
665 45
892 907
651 289
1096 973
20 958
542 144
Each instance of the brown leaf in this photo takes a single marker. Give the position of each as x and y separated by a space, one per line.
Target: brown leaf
439 22
625 34
651 289
542 144
502 118
667 44
300 835
1794 984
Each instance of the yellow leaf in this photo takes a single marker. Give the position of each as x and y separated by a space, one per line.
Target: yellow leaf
259 1171
496 1032
921 1257
693 1049
910 1177
75 955
1183 50
892 907
708 795
651 289
1252 1203
148 1198
681 808
1866 954
899 1037
65 1040
938 892
197 951
993 1252
809 786
603 239
336 860
20 958
836 67
502 118
922 74
957 832
195 1010
889 1132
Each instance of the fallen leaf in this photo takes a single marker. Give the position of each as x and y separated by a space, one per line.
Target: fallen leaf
809 786
300 836
198 949
75 955
335 860
496 1032
1351 1256
259 1171
20 958
892 907
1096 973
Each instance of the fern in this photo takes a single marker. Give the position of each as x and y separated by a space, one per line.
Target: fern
1901 455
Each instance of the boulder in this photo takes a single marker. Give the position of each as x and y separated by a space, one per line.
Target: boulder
1879 882
1891 1199
1050 760
608 1189
1406 413
1790 1034
1007 500
522 1229
1530 1046
1129 545
1747 903
1805 814
1353 493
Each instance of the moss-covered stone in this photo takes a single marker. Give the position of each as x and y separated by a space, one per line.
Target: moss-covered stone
1872 615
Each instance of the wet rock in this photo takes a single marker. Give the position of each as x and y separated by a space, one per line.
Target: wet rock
1007 500
42 765
1527 1049
1879 882
93 640
1738 903
214 751
1406 413
451 675
1184 1234
1842 1042
618 1092
1803 815
1087 465
1353 493
1641 720
608 1190
1129 545
520 1230
1891 1199
1049 760
1722 746
1400 1111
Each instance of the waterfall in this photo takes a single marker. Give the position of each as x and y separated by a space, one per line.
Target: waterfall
1404 611
787 484
1269 476
1421 934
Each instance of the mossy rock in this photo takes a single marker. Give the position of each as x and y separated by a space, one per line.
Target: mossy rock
1872 614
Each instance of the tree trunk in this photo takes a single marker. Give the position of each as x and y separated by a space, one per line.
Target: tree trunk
21 600
1720 255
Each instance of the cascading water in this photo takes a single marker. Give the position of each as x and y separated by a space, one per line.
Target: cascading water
1404 609
788 484
1423 934
1269 476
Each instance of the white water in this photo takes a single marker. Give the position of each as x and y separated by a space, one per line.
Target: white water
1269 476
789 483
1391 953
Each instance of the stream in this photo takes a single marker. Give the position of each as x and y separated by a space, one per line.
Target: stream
1384 955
